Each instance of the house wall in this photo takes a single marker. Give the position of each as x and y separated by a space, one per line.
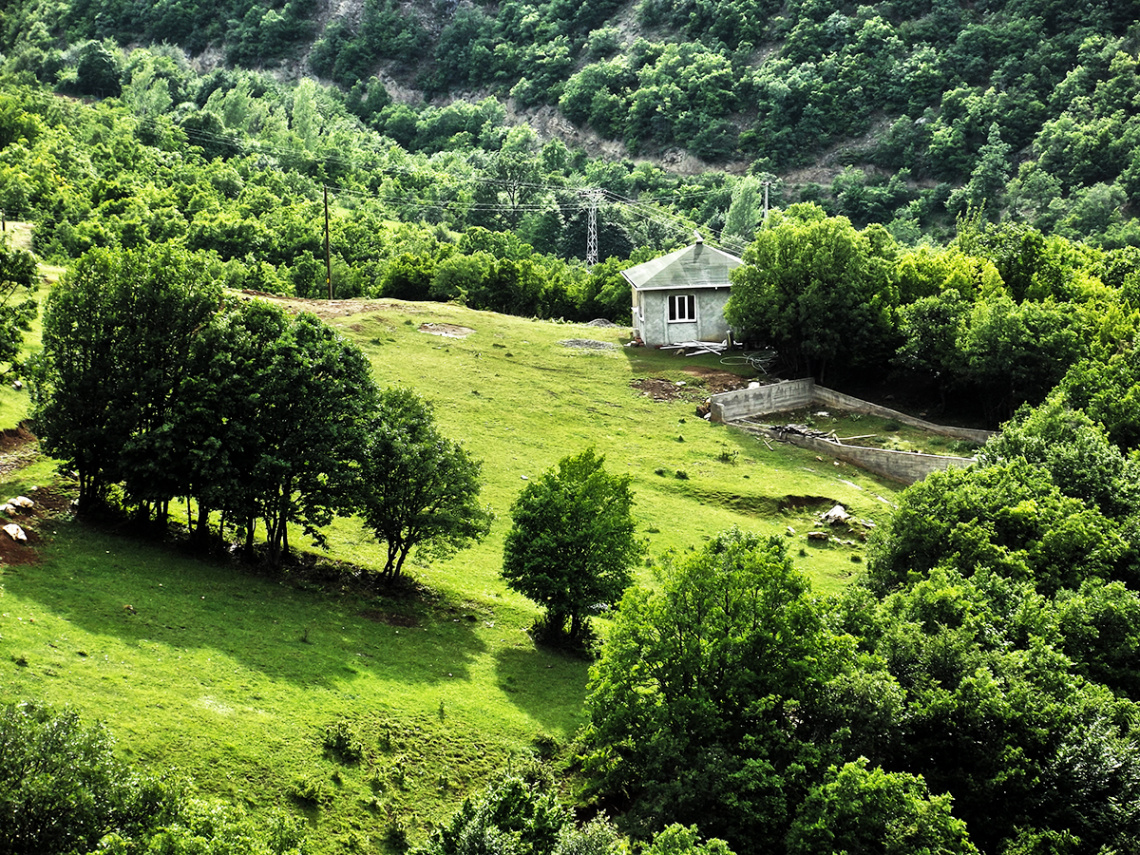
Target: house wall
653 325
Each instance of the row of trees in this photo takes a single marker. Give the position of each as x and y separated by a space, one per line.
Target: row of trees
998 317
152 387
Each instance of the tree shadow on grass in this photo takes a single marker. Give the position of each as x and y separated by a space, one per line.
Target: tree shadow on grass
548 686
148 596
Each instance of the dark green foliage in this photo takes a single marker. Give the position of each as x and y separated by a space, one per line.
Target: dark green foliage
316 397
143 382
519 814
1074 450
1008 518
572 541
17 276
417 489
857 809
1109 391
97 71
814 288
708 703
62 790
994 714
117 336
965 92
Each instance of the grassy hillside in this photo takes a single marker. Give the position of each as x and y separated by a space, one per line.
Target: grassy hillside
239 680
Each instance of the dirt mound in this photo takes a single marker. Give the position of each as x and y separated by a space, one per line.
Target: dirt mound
14 438
716 380
48 503
324 309
666 390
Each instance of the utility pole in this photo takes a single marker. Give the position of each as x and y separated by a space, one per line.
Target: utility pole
767 184
328 256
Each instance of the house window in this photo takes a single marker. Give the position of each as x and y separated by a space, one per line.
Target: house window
682 307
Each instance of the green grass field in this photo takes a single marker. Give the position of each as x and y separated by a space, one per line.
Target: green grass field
234 679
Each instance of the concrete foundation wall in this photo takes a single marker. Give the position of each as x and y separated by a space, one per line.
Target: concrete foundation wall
831 398
793 394
774 398
905 467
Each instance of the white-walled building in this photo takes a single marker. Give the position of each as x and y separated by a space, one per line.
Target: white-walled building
680 296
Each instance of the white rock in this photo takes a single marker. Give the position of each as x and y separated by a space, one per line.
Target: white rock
15 532
837 514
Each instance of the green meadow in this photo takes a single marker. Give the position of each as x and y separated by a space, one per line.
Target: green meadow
253 685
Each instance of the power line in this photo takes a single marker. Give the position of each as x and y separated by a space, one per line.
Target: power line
647 210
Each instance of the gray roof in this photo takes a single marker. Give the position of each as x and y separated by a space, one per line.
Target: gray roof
696 266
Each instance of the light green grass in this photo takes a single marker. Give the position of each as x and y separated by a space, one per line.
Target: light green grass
520 401
234 678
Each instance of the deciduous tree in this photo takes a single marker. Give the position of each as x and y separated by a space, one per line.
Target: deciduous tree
707 705
17 276
573 540
418 489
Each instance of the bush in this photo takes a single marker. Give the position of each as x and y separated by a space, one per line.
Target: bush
62 790
343 743
61 787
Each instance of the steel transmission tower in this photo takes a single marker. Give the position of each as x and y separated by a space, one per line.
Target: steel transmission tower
592 197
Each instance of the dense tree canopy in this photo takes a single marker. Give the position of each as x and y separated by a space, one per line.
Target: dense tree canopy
117 335
710 691
17 277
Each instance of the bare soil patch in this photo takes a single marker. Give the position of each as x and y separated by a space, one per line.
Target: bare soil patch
324 309
446 330
716 380
708 381
13 439
48 503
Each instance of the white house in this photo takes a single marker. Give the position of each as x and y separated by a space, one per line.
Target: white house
680 296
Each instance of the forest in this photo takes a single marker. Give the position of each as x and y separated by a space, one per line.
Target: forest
918 108
930 197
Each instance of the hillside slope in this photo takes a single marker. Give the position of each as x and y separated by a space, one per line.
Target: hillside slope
1016 107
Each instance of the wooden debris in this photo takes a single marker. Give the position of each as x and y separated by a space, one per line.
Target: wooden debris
695 348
